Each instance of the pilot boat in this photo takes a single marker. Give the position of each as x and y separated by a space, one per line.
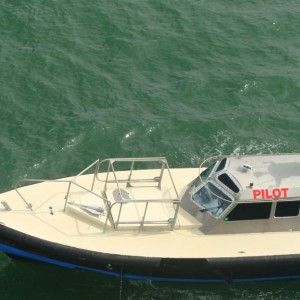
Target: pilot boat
233 219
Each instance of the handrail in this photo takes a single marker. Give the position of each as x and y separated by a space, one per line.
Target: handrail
70 181
16 186
87 168
139 159
142 221
205 161
173 198
58 181
111 171
162 160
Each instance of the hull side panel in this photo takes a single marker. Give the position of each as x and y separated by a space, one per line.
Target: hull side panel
17 244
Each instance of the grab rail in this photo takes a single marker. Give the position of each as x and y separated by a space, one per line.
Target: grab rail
110 168
70 181
170 221
129 181
29 205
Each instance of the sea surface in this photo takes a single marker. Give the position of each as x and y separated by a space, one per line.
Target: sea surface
82 80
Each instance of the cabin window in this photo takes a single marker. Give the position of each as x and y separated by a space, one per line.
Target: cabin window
210 198
204 174
222 165
207 171
226 180
287 209
250 211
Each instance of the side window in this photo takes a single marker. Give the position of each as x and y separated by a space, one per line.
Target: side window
287 209
204 175
250 211
222 165
207 171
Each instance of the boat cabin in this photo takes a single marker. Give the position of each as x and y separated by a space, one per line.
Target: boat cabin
239 194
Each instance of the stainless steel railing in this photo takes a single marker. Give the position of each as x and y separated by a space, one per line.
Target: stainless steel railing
111 179
170 221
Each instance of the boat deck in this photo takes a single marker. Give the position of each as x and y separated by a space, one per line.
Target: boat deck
58 215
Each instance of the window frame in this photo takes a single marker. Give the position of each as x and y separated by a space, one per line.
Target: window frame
287 202
240 204
222 191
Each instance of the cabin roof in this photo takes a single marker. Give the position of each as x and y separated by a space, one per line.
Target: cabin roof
265 172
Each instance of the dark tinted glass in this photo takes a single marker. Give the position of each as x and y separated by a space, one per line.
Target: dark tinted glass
250 211
225 179
287 209
221 165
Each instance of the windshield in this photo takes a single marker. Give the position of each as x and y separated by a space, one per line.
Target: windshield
212 199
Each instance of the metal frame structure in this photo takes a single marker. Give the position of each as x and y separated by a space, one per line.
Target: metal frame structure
129 182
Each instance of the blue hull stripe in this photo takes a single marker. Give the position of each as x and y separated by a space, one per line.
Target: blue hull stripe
21 253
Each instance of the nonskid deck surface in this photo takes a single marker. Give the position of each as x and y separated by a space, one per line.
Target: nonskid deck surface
57 220
49 221
267 170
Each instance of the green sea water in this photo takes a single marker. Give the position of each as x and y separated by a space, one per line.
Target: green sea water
81 80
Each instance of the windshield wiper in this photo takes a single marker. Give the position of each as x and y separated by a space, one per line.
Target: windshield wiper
210 208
